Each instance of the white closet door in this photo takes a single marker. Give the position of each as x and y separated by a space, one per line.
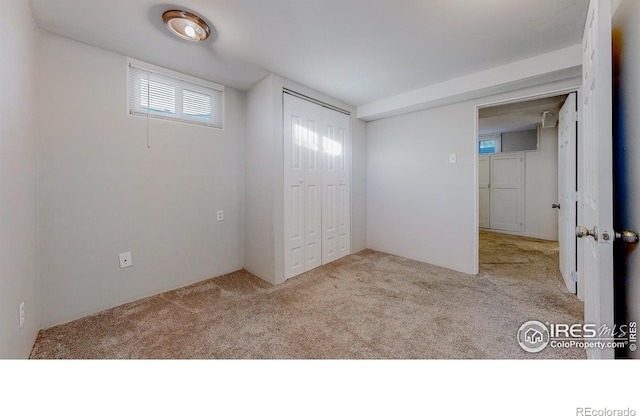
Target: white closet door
484 174
507 204
302 182
336 201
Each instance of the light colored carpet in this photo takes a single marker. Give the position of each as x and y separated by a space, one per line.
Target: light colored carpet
367 305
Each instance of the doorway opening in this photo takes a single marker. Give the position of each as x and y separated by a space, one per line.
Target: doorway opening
526 188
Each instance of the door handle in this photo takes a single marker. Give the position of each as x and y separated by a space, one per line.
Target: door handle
627 236
555 206
584 232
630 237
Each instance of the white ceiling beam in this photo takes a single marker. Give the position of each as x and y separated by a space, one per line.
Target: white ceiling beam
558 65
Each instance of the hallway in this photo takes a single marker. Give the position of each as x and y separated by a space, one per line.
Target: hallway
531 266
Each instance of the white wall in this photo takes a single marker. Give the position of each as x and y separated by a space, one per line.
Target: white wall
418 205
18 215
103 192
515 141
541 187
358 185
259 181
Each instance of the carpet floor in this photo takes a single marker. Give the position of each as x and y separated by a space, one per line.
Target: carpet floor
368 305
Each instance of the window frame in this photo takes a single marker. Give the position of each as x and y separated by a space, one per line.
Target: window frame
180 82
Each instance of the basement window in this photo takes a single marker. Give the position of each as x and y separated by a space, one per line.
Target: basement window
489 144
158 93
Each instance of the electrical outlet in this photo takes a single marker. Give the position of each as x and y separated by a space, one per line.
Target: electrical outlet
22 313
125 260
220 216
453 158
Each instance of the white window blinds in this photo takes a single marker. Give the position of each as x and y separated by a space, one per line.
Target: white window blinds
154 94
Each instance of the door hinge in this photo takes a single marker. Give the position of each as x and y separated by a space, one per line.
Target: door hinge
574 276
574 196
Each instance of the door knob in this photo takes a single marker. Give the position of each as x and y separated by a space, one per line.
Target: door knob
555 206
583 232
627 236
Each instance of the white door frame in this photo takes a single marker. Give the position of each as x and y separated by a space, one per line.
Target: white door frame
476 184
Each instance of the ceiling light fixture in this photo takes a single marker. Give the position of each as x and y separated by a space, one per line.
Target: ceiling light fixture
186 25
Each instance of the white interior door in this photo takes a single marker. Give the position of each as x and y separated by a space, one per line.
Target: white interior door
507 183
336 205
484 176
302 182
567 139
595 176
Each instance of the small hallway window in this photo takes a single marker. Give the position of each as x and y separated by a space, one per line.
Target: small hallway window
489 144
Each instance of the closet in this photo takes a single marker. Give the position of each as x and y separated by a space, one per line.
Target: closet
501 191
316 184
297 187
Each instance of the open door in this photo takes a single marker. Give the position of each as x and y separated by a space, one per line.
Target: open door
595 174
567 191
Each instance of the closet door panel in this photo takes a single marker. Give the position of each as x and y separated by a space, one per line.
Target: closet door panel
293 193
344 193
507 192
329 192
484 191
336 207
313 192
302 183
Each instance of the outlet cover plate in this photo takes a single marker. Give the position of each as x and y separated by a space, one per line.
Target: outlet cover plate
220 216
125 260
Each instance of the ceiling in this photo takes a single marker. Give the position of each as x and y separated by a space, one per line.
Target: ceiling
518 116
357 51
